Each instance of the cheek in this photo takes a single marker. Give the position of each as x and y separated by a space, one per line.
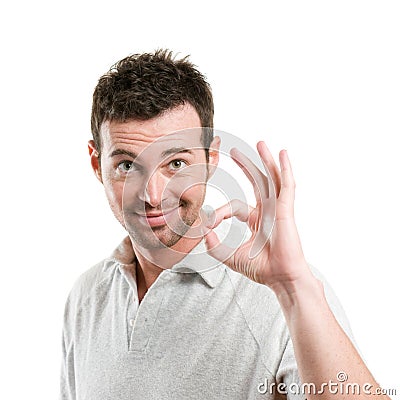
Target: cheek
194 194
114 192
190 184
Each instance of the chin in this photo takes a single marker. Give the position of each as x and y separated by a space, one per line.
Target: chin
156 239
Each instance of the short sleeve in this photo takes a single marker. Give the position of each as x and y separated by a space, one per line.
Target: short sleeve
67 373
288 383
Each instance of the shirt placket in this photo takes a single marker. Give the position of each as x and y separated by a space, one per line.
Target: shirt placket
140 319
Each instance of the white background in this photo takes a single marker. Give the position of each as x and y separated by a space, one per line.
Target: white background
318 78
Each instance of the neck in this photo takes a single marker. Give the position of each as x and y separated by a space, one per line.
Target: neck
150 263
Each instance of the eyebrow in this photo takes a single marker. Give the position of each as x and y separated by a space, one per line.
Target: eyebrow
123 152
175 150
165 153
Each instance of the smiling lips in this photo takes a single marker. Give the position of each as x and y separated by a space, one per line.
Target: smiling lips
156 219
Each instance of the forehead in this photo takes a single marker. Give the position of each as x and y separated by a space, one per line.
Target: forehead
181 124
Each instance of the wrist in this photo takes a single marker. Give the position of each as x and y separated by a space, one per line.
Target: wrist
303 290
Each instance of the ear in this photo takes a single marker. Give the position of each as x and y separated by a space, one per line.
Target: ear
94 160
213 155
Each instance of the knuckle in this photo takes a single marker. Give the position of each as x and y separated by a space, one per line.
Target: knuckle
237 205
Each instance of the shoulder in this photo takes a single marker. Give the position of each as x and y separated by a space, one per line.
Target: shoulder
264 318
88 284
263 313
260 299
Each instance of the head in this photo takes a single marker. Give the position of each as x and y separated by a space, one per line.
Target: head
144 86
154 179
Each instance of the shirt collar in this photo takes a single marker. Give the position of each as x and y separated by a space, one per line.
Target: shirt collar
197 261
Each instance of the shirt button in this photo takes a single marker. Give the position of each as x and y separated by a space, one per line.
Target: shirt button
131 321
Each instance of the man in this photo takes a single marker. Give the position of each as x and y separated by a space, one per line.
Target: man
138 325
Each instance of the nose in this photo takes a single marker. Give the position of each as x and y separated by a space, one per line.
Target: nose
154 188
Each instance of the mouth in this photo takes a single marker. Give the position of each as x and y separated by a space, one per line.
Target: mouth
157 218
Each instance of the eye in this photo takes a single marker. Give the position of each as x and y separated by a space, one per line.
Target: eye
125 166
177 164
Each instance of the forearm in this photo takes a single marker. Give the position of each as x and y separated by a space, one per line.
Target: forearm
322 348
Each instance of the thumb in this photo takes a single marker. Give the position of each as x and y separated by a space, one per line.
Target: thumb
216 249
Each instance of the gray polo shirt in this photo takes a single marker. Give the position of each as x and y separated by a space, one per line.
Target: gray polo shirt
203 335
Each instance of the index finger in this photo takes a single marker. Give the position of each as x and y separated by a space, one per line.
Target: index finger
257 178
265 194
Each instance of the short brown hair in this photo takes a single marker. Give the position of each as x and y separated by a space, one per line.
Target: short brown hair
142 86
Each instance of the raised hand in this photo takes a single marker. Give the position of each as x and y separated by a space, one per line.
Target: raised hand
275 261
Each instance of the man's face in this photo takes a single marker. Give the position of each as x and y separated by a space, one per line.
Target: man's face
155 179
